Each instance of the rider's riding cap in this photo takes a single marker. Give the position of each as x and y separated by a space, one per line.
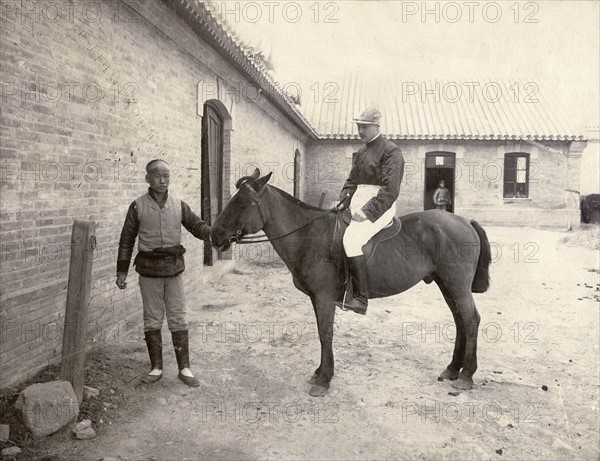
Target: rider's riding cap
370 116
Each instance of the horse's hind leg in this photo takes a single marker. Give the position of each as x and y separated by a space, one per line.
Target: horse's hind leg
470 321
451 372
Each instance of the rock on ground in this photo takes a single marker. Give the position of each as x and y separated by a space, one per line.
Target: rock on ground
90 392
10 452
81 425
88 433
46 407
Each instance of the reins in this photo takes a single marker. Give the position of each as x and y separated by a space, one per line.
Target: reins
261 238
247 240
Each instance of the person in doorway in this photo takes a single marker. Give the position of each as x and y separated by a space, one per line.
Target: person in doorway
441 197
370 192
155 219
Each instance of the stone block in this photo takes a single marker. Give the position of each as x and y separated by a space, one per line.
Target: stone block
46 407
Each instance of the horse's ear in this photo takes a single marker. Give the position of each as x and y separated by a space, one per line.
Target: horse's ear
254 180
244 179
262 181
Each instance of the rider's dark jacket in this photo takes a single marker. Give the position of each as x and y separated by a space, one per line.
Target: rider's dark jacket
379 163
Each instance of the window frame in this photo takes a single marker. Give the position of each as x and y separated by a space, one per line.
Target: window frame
511 170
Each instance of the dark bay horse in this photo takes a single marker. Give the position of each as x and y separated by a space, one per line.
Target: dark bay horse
433 246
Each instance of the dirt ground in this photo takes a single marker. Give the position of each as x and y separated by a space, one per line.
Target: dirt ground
254 345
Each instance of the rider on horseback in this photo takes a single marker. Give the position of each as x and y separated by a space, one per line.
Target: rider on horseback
370 192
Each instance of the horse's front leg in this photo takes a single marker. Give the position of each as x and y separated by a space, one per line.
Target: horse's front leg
325 312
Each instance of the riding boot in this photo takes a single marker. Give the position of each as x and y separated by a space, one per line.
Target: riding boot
182 353
360 290
154 343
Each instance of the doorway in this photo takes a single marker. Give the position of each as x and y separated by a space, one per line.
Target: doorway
438 166
212 174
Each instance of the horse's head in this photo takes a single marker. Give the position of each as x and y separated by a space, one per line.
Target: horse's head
242 214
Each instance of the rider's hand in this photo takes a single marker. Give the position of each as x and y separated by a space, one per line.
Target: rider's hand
343 202
338 207
359 216
121 281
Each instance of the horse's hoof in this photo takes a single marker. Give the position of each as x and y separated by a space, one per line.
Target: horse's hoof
463 384
448 374
318 391
313 379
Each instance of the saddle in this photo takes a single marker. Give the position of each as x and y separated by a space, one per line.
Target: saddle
342 221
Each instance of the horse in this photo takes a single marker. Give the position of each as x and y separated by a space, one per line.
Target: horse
433 246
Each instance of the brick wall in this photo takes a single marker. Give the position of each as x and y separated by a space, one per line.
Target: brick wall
478 184
89 96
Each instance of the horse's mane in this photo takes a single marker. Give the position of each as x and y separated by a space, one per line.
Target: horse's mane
295 201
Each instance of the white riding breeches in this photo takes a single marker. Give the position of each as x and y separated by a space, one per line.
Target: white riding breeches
359 233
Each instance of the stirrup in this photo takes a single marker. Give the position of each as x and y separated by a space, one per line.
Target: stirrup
341 306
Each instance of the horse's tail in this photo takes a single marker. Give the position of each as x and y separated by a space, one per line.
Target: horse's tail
481 281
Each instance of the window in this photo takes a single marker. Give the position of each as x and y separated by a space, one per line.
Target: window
516 175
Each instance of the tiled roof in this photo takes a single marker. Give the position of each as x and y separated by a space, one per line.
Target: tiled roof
417 109
214 29
469 109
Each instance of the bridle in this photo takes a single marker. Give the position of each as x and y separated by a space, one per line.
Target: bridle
237 238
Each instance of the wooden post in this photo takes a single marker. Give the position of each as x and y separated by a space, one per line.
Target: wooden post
322 199
83 243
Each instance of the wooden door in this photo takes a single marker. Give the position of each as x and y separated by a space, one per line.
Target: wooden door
212 173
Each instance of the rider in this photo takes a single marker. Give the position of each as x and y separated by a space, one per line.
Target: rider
370 192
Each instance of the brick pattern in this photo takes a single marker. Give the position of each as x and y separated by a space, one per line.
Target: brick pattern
88 98
478 185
